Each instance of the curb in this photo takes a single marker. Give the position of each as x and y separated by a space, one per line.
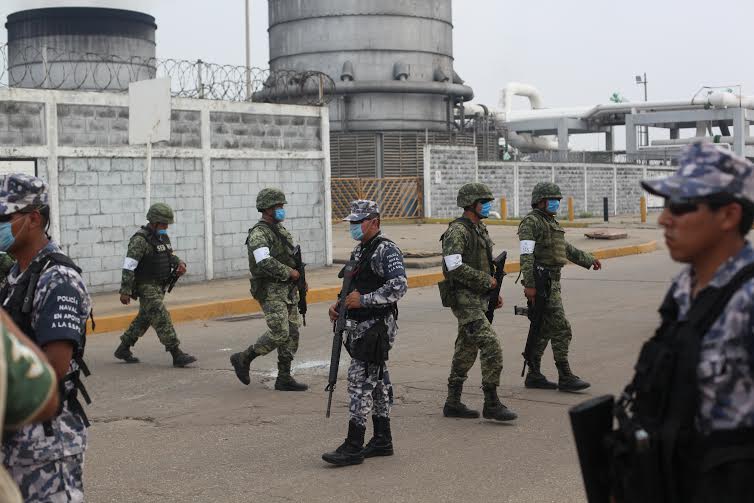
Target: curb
217 309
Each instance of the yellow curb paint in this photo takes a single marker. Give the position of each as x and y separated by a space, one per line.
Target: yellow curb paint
231 307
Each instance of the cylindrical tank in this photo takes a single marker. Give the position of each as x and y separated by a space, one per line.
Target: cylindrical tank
80 48
392 60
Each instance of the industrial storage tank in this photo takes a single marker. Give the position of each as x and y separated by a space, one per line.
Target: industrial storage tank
391 60
80 48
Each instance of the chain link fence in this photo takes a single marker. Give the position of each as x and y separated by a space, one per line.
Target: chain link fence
51 68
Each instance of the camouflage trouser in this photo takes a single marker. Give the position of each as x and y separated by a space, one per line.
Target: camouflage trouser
152 312
282 333
473 337
555 327
58 481
367 392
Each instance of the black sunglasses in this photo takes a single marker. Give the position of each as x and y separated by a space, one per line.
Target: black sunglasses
681 207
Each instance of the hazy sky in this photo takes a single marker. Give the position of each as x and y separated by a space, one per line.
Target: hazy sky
576 52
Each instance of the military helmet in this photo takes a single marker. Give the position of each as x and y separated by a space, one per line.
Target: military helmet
545 190
473 192
269 197
160 213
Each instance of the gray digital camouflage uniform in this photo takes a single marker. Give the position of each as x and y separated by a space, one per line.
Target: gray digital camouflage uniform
369 386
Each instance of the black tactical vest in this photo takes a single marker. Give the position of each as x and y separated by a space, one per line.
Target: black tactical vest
663 400
365 280
155 266
17 300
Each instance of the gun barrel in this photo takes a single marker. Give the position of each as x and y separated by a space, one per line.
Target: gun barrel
329 403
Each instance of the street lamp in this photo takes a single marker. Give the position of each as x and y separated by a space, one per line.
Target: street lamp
642 80
248 54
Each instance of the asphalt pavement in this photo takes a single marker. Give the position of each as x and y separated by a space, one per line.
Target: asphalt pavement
161 434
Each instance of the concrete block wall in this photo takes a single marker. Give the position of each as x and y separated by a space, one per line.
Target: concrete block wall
99 184
235 185
266 132
586 183
21 123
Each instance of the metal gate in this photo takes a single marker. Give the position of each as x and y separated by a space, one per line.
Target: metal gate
397 197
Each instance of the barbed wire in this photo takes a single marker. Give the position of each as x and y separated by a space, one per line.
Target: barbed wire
51 68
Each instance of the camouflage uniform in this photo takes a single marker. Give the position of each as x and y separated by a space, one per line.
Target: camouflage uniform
543 242
48 467
467 267
380 279
270 250
6 262
148 286
725 371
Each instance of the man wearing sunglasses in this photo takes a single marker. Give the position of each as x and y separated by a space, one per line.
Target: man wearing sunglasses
692 395
46 297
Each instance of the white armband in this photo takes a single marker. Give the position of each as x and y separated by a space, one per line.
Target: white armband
261 254
130 264
527 247
453 262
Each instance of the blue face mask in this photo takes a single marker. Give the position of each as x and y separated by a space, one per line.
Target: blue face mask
356 232
486 207
280 214
162 232
553 205
6 236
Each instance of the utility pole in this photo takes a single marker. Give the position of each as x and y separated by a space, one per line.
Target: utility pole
643 80
248 54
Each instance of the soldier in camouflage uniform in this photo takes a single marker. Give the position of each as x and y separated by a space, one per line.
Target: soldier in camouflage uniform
273 285
379 282
543 243
467 267
697 371
146 272
46 460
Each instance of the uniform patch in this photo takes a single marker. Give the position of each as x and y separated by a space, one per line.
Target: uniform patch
527 247
261 254
130 264
453 262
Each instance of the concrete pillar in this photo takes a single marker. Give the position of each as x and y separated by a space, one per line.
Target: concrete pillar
675 133
609 139
740 130
563 139
631 146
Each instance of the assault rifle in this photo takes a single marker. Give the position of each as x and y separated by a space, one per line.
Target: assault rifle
301 283
535 313
498 273
172 280
338 328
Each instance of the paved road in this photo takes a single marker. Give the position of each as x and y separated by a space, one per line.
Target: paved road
182 435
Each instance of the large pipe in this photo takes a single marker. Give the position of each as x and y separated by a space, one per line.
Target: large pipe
687 141
519 89
375 86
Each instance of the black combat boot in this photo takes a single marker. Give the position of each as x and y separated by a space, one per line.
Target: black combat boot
493 408
381 443
181 359
241 364
567 380
453 405
350 451
124 353
285 381
536 379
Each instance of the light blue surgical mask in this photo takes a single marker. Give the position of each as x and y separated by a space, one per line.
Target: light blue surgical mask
6 236
553 205
356 232
162 232
486 207
280 214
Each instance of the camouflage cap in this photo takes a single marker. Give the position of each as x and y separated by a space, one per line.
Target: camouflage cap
362 209
19 191
706 170
269 197
160 213
545 190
